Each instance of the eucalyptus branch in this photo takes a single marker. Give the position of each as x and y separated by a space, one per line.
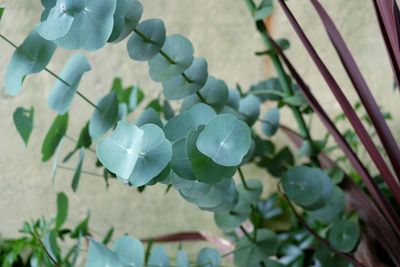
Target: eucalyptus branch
241 175
170 60
50 72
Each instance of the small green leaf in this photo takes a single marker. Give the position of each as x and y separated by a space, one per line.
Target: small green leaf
1 12
308 187
130 251
101 256
32 56
119 151
249 107
296 100
107 238
179 87
77 24
180 160
263 10
270 122
23 121
54 136
215 92
232 219
180 51
209 257
344 235
233 99
51 245
226 140
84 139
62 209
253 192
149 115
126 17
105 118
268 90
62 95
167 110
155 154
180 125
158 257
147 41
251 254
204 168
135 98
78 170
332 210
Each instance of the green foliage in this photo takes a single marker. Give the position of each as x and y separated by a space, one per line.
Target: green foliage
53 138
32 56
209 257
105 117
344 235
23 121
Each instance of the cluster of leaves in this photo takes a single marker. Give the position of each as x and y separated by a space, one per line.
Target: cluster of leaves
196 149
43 240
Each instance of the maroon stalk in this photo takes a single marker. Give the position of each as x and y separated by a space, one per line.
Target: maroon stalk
376 194
347 109
387 13
361 86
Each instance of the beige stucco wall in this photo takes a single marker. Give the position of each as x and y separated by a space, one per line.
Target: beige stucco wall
220 31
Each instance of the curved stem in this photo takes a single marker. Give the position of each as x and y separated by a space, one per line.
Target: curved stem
325 242
50 72
243 179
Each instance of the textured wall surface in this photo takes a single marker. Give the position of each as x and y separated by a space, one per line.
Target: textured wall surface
222 32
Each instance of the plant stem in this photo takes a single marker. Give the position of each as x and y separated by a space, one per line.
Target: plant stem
50 72
282 76
322 240
84 172
243 179
247 234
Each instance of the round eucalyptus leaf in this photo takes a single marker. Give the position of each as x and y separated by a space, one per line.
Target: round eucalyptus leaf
328 259
308 187
209 257
225 139
57 22
32 56
48 5
215 196
230 200
61 96
101 256
175 58
253 192
270 122
126 17
249 107
230 220
147 41
54 136
130 251
332 210
344 235
155 155
91 27
233 99
149 115
158 257
104 119
180 125
215 92
204 168
182 259
179 87
180 160
251 254
119 151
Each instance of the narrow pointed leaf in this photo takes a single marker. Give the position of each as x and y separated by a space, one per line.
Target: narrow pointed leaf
62 209
23 121
54 136
78 170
